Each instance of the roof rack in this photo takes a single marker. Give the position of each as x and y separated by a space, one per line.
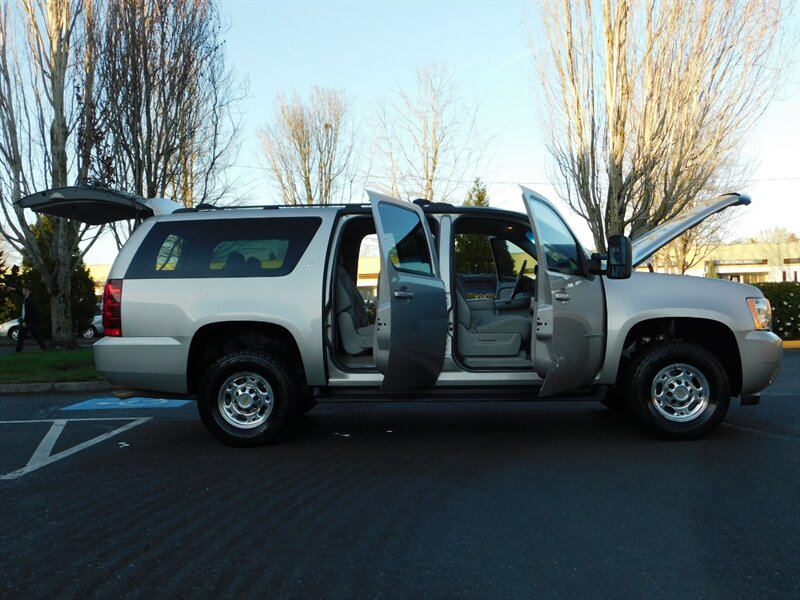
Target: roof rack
210 207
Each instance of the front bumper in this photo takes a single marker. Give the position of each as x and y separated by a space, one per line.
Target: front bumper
761 353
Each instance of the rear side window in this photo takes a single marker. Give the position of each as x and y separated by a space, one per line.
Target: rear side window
261 247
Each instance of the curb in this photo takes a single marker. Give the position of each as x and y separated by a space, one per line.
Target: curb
64 386
791 344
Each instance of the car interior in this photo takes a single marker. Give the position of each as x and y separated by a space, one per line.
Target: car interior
494 272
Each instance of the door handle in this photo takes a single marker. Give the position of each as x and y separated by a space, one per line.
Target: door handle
561 296
404 295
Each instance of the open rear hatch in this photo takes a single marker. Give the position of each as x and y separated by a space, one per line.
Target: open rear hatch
95 206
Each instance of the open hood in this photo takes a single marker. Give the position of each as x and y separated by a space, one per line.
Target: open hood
662 235
95 206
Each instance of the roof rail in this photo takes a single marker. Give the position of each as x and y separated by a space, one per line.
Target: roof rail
210 207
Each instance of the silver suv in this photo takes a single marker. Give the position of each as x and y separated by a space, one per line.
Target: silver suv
257 312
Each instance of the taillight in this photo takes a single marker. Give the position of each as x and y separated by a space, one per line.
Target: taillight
112 307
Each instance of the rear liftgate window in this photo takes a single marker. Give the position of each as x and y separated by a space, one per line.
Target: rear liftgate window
223 248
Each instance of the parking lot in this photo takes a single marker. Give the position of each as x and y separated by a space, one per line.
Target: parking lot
428 500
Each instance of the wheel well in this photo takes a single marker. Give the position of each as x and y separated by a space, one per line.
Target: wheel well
214 340
711 335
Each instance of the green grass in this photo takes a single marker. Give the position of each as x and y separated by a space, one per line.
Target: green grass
45 367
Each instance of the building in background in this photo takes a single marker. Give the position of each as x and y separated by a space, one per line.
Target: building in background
752 263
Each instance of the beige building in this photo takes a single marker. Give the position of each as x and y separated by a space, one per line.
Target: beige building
752 263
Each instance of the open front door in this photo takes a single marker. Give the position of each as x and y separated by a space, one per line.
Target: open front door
411 319
569 324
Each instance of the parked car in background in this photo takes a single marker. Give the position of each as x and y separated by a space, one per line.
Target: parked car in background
10 329
95 328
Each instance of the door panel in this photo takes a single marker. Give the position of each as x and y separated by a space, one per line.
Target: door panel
569 338
411 318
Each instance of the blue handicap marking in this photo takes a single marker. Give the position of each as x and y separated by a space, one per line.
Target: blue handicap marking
118 403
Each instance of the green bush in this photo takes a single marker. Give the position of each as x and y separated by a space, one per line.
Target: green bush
785 300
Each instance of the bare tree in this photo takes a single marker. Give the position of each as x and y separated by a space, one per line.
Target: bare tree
646 102
309 147
427 139
775 235
694 246
131 93
38 142
168 99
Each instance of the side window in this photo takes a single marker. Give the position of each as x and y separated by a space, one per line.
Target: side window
559 246
405 240
170 253
253 256
488 254
473 254
511 260
243 247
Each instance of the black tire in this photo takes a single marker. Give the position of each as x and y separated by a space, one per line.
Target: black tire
89 333
13 333
677 390
246 398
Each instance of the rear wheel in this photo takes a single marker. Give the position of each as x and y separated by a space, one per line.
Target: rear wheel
246 398
13 333
677 390
89 333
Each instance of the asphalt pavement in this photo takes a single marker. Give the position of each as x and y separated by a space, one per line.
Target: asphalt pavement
405 500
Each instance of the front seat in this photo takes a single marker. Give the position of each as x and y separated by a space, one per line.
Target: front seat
501 336
355 331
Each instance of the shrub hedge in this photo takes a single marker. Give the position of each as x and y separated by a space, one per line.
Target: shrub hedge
785 300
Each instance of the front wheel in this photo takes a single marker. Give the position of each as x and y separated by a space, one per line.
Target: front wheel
13 333
245 398
89 333
677 390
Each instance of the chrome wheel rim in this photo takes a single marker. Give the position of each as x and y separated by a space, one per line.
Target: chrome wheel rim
88 334
680 392
246 400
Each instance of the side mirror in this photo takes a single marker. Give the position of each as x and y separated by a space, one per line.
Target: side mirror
619 257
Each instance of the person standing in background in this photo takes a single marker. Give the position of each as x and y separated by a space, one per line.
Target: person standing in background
29 323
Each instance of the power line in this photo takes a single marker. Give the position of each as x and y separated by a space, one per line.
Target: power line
497 181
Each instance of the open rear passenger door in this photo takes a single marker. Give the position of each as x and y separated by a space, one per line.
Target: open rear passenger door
411 320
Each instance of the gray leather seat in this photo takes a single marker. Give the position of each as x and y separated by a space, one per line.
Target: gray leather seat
355 331
502 335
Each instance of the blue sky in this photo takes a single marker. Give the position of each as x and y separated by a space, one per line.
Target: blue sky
370 48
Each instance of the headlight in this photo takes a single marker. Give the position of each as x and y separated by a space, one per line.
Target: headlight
761 311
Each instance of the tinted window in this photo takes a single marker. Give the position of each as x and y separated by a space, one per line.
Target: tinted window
261 247
405 239
559 245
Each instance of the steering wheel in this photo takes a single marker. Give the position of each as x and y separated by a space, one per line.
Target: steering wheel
518 283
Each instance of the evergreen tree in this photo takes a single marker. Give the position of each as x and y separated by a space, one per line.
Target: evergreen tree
473 253
82 298
477 196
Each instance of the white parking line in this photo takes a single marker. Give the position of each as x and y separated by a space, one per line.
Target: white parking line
42 457
47 444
